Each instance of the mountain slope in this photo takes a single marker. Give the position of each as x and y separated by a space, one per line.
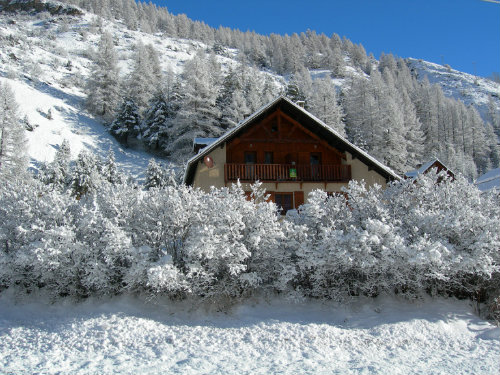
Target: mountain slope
470 89
47 58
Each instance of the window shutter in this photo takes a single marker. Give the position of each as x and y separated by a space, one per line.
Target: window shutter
298 198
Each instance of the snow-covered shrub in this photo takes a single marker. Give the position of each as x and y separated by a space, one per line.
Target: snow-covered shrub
434 235
216 244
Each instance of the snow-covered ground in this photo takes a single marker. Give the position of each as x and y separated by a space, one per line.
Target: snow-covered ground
459 85
68 122
128 336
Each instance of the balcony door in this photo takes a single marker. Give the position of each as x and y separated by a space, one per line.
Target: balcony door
250 160
315 161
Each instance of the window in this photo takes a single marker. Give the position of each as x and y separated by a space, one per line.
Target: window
315 158
284 201
268 157
250 157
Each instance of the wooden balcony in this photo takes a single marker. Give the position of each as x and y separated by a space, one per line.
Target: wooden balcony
285 172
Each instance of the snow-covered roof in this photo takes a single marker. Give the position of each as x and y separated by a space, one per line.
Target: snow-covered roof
204 141
200 143
327 133
489 181
424 168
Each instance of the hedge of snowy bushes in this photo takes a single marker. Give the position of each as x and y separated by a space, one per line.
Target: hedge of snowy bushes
410 239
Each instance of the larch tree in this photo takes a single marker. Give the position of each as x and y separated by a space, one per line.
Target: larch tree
324 104
198 115
13 160
103 87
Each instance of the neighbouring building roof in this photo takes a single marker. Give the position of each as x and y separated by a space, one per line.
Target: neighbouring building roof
307 120
424 168
489 181
200 143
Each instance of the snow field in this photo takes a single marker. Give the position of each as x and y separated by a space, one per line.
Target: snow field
128 336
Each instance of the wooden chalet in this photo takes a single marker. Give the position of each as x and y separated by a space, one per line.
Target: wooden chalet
290 151
434 164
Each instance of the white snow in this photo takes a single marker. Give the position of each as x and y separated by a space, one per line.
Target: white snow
489 181
129 336
68 123
468 88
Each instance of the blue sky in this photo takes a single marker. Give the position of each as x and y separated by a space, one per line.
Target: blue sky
462 33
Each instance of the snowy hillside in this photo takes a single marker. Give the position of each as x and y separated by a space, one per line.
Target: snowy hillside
470 89
126 336
45 60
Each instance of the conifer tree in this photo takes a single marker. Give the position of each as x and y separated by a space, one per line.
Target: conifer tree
126 125
155 175
13 159
109 170
198 115
103 88
157 122
58 172
325 106
86 175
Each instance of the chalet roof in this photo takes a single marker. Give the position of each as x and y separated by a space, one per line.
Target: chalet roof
304 118
489 180
424 168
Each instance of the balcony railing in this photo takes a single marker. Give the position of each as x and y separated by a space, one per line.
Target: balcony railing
287 172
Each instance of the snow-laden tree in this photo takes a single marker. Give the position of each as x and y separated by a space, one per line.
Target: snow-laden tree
157 176
109 170
300 86
103 86
86 176
146 76
126 127
13 160
57 173
324 104
198 114
157 123
434 234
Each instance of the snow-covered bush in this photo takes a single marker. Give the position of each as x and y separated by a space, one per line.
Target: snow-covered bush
434 235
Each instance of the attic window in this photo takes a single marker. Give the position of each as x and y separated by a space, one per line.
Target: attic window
274 128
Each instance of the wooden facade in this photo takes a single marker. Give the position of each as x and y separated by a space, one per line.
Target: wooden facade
290 151
279 149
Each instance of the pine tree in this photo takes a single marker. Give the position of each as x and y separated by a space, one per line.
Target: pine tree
86 175
58 172
158 122
198 115
325 106
155 175
109 170
146 76
103 88
299 87
13 160
126 125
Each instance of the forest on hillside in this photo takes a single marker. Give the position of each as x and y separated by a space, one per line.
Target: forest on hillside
381 105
